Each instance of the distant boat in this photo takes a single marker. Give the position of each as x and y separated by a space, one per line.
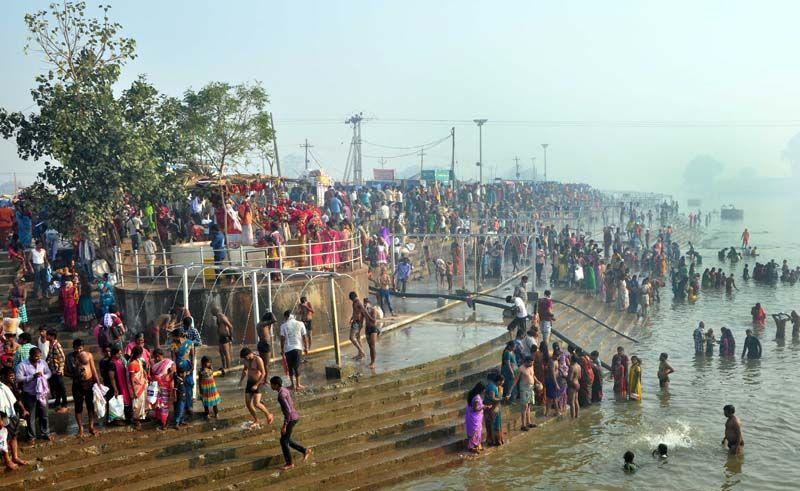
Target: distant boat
731 213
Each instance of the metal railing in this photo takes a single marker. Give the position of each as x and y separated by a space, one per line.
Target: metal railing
165 266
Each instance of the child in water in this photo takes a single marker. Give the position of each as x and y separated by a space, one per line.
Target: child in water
208 387
629 466
661 451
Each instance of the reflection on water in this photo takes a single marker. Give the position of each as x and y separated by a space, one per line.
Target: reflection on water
587 454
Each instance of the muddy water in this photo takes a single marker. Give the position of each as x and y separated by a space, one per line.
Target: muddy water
587 454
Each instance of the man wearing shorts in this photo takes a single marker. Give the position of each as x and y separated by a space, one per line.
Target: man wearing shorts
264 329
526 380
254 372
80 366
305 313
357 323
371 321
294 339
546 316
225 333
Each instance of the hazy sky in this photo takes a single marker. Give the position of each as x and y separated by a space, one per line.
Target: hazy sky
593 63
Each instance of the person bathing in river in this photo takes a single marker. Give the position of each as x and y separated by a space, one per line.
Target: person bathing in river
733 431
711 341
730 284
758 314
619 369
664 371
526 380
699 339
746 272
795 324
727 345
752 346
780 324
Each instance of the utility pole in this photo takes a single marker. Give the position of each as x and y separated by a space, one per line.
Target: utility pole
480 123
383 162
544 146
274 145
15 184
533 160
421 160
306 146
516 162
453 161
355 122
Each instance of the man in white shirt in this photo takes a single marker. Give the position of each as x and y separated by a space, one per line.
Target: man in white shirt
294 338
520 316
39 261
149 248
134 225
385 214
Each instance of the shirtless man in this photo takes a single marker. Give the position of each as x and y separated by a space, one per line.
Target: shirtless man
527 383
80 366
574 385
254 372
225 333
730 284
357 323
733 431
305 314
264 329
664 370
780 324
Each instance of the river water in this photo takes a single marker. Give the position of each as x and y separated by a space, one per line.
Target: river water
587 453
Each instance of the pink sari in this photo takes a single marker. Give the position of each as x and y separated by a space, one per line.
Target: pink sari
121 374
161 373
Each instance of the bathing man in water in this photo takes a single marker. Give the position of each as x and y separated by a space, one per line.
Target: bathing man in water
733 431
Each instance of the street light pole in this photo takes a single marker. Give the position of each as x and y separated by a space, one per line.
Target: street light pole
533 160
544 146
480 122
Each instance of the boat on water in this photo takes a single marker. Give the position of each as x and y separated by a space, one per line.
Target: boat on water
730 212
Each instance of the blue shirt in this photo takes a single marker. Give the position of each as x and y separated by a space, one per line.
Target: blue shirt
218 244
336 205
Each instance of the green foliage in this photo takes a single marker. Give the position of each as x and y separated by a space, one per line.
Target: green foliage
98 148
226 123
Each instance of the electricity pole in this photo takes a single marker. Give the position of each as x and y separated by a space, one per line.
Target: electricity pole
421 160
306 146
275 145
516 161
533 160
355 122
480 123
453 157
544 146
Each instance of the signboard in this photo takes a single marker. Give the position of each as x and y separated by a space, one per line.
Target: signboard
441 175
383 174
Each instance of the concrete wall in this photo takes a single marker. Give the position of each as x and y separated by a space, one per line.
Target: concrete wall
142 307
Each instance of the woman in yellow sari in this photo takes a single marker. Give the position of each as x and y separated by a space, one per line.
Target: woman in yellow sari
635 379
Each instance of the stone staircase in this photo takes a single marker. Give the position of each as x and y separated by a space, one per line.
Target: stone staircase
365 434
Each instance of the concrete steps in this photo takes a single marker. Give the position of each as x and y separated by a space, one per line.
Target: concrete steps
418 398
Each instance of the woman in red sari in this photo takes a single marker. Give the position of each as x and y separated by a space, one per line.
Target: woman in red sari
315 247
69 305
345 243
330 239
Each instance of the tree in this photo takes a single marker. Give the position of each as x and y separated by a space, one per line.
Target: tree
227 123
99 149
701 172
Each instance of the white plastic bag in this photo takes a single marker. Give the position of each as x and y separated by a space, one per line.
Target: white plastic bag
578 273
116 408
152 392
99 397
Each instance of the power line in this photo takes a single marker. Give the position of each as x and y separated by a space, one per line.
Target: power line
429 144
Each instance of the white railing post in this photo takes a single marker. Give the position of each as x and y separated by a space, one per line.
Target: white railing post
136 264
335 323
166 268
202 267
186 287
256 310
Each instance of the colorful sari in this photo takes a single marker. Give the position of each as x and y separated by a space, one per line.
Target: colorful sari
161 373
138 389
473 423
635 382
121 376
69 304
618 364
